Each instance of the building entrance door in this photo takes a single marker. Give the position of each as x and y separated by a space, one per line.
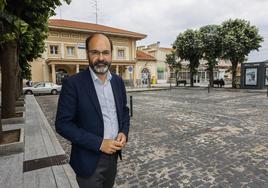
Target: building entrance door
61 74
145 77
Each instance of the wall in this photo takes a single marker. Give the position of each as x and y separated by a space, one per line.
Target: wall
246 80
42 72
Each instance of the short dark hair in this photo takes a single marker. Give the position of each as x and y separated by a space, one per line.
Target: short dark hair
91 36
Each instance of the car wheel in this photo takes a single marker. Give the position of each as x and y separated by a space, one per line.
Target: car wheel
54 92
28 92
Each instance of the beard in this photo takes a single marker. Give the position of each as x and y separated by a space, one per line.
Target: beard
100 67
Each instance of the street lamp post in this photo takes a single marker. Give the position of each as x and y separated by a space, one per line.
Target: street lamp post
170 77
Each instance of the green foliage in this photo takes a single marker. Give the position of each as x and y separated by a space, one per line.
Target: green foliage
232 40
189 47
20 26
7 37
31 46
172 61
239 39
28 22
212 47
212 44
17 27
2 4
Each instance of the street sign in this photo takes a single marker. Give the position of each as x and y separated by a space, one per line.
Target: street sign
130 69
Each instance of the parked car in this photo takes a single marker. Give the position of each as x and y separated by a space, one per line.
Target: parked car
43 88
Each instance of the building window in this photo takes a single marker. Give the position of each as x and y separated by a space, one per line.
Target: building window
70 51
160 73
216 76
121 54
81 46
54 50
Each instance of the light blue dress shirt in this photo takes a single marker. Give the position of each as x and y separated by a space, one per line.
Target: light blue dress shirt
107 104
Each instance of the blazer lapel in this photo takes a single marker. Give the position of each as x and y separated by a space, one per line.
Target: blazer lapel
93 96
115 89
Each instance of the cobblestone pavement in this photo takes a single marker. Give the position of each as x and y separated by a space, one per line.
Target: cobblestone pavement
189 138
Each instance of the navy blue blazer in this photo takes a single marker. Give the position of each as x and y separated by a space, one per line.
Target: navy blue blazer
79 119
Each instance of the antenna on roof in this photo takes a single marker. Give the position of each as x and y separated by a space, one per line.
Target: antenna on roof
95 5
60 13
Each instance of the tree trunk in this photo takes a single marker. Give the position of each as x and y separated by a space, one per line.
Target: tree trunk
191 78
211 77
234 67
18 80
9 56
176 76
20 86
1 129
1 60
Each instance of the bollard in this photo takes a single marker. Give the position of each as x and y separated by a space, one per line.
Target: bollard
131 106
267 91
208 88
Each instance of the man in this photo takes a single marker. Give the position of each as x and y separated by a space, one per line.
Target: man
93 114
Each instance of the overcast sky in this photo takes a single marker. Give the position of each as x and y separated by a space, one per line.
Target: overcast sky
163 20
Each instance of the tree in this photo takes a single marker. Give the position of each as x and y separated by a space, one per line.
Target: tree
23 28
188 47
212 47
10 27
173 63
239 39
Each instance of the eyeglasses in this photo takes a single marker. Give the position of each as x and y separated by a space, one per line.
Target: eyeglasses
98 53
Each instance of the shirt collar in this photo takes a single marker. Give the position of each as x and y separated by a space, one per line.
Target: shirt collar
95 77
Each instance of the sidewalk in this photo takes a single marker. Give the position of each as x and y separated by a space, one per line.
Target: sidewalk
141 89
43 163
227 87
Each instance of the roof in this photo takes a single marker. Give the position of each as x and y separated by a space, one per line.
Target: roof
266 61
90 27
169 49
140 55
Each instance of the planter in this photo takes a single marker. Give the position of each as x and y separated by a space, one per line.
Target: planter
13 142
20 106
15 120
19 114
20 109
22 97
20 103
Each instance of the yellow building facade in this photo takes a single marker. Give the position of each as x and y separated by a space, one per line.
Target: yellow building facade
146 69
164 74
159 53
65 52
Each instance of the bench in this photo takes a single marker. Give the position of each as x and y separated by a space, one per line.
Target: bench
218 82
181 82
43 164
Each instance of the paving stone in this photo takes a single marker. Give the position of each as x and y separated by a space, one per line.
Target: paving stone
189 138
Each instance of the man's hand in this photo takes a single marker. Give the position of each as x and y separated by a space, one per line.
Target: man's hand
122 139
110 146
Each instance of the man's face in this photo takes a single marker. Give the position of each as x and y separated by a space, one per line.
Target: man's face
99 54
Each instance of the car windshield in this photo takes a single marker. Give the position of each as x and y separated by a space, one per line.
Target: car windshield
39 85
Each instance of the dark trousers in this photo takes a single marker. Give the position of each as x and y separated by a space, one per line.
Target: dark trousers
104 175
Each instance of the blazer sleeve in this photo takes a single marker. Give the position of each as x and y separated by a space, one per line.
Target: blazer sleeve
125 115
65 119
